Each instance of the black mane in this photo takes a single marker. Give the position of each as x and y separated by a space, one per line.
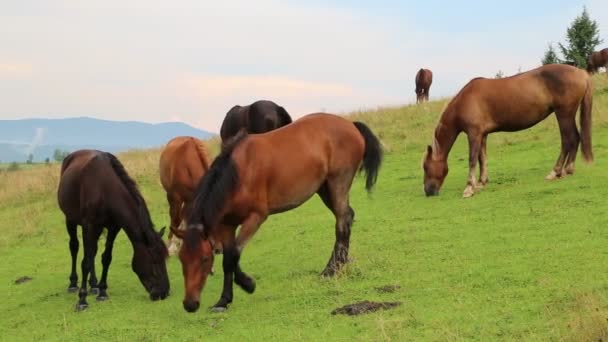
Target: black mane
214 189
129 183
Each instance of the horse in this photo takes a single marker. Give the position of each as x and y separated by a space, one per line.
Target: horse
259 117
94 192
183 162
259 175
510 104
424 79
597 60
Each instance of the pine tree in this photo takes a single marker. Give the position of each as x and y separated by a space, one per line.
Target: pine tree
582 38
550 56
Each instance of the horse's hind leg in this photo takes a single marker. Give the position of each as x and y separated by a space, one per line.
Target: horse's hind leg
90 235
106 259
175 208
334 194
483 163
71 228
569 144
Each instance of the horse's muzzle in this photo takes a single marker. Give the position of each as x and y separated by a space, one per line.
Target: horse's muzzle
191 305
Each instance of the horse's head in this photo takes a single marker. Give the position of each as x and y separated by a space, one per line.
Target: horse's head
435 171
149 265
196 256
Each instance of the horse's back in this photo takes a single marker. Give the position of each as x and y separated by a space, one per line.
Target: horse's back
182 164
233 122
520 101
81 181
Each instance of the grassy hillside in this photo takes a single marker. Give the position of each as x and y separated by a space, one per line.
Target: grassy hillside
525 259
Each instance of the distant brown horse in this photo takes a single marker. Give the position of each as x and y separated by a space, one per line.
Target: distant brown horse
95 191
511 104
597 60
258 117
424 79
182 164
263 174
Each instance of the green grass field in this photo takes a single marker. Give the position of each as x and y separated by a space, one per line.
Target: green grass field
524 259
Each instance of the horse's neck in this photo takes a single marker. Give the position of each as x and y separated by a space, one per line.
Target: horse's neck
131 223
445 136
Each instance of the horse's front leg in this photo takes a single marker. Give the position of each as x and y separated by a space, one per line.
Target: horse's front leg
474 150
106 259
248 229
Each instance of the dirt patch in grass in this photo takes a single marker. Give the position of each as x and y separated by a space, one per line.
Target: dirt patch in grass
23 280
364 307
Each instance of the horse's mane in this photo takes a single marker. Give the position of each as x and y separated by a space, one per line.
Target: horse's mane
214 188
142 210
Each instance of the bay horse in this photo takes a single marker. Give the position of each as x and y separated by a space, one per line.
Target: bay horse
258 117
597 60
183 162
95 191
263 174
512 104
424 79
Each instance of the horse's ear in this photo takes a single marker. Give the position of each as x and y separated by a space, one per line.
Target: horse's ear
162 232
177 232
429 151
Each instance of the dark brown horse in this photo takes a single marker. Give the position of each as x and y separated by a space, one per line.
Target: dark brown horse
95 191
424 79
263 174
597 60
182 164
258 117
511 104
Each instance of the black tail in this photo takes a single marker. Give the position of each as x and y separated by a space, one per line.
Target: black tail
372 158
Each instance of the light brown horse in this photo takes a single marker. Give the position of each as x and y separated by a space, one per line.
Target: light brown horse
511 104
424 79
597 60
183 162
263 174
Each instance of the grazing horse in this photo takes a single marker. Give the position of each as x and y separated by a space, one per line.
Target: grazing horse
182 164
263 174
597 60
511 104
259 117
424 79
95 191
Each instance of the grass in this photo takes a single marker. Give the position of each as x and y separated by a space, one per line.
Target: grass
524 259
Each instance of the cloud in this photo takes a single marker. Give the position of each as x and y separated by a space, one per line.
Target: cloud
11 70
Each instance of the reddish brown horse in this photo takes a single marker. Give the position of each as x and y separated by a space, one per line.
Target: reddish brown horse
95 191
182 164
263 174
511 104
424 79
597 60
259 117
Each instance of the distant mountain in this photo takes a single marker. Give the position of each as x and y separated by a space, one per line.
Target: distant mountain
19 138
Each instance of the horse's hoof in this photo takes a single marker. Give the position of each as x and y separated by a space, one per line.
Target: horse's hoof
219 309
468 192
73 289
552 176
248 285
102 298
94 290
328 272
81 306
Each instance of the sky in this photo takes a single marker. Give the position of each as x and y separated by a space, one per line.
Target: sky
192 60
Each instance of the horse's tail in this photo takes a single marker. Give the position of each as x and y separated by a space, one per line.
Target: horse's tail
202 152
586 107
372 157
